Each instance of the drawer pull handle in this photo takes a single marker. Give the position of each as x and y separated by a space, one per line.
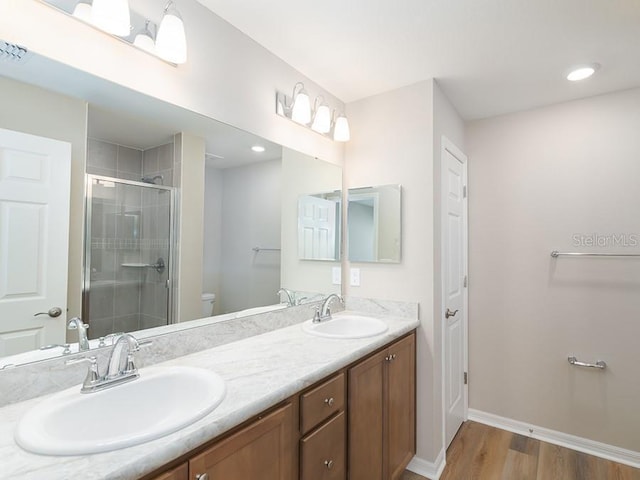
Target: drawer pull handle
390 358
328 464
329 401
202 476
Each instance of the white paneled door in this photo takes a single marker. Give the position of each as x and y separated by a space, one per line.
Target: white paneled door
34 240
316 228
454 283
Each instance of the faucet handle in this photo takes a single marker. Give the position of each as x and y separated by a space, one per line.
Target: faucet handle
93 374
130 367
316 316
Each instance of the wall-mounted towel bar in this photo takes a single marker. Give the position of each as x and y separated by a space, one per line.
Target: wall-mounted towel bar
601 364
556 254
260 249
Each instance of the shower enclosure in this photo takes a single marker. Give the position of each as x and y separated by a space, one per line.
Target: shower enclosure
128 255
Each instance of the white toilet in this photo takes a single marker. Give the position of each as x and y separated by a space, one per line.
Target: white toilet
208 300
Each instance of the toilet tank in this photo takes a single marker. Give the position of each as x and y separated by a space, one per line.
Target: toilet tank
208 300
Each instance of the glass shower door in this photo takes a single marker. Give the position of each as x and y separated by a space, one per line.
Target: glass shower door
127 256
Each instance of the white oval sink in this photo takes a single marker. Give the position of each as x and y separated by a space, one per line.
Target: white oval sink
161 401
346 326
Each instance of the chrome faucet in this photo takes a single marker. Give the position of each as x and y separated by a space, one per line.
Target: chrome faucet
323 312
291 296
121 366
120 369
76 324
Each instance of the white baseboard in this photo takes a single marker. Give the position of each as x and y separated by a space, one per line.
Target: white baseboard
431 470
584 445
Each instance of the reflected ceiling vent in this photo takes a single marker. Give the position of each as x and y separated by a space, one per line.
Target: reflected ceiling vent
12 52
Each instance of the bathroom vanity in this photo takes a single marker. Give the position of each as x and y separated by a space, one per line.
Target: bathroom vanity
297 406
360 421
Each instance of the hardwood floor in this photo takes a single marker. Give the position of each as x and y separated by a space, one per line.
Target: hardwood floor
480 452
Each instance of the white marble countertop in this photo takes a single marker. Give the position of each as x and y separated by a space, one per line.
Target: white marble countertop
259 372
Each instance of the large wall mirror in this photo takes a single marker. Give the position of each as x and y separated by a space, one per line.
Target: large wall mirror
130 147
375 224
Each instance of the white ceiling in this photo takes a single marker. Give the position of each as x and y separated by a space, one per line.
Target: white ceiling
489 56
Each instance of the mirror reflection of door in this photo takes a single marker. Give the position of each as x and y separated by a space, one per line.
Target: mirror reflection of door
34 236
317 228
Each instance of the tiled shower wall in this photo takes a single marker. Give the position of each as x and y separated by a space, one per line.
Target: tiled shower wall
131 227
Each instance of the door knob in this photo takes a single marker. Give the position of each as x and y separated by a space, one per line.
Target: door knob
53 312
449 313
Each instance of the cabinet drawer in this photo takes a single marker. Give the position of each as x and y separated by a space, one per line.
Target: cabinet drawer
322 452
320 403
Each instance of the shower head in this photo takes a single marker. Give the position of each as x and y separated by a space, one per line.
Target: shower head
152 180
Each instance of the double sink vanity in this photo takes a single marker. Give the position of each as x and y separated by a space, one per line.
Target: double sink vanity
329 399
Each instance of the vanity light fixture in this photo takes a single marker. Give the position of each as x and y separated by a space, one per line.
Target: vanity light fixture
301 108
171 41
319 119
82 10
112 16
582 72
144 39
341 132
258 148
321 116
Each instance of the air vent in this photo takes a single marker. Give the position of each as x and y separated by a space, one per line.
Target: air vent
12 52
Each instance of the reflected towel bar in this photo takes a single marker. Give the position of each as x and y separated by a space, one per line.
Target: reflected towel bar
556 254
260 249
601 364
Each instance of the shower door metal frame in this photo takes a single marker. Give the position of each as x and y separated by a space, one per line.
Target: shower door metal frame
86 271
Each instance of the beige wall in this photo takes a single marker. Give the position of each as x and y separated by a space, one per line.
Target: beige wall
212 241
39 112
392 142
250 218
189 155
301 175
537 179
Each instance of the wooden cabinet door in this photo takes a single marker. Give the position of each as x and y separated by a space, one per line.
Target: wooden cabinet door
401 406
322 452
366 413
181 472
260 451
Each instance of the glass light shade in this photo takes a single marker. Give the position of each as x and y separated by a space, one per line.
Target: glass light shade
145 42
171 41
301 110
322 120
112 16
82 11
341 130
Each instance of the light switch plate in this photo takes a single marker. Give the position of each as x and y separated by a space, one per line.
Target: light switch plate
336 275
355 277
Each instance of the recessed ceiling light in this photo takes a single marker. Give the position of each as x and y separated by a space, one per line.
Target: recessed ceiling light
258 148
583 71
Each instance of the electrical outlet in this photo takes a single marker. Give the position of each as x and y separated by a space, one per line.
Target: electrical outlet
355 277
336 275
